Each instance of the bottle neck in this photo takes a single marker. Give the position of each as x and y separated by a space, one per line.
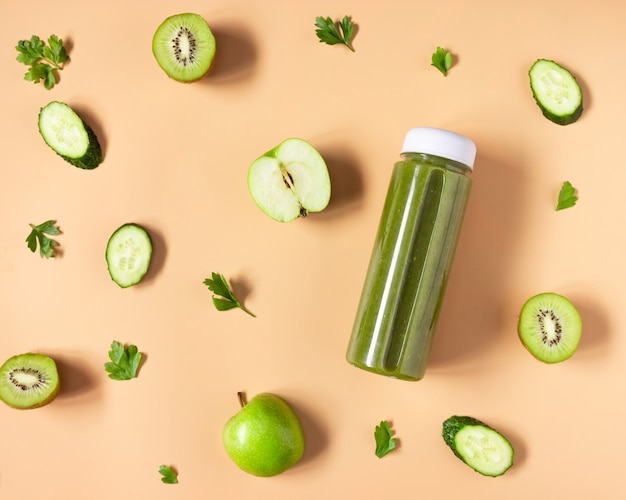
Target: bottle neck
438 161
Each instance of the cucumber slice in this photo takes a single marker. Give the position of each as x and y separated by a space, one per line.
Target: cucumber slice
556 92
482 448
128 254
69 136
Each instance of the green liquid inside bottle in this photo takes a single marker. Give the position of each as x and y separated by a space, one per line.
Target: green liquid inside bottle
410 263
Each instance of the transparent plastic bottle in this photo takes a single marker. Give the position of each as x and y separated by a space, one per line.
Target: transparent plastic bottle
412 255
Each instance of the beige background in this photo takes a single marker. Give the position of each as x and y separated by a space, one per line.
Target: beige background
176 158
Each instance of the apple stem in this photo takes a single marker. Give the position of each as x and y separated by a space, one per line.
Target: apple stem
242 398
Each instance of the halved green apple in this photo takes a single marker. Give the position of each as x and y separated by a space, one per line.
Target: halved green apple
290 181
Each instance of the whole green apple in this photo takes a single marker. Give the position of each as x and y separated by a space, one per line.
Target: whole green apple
290 181
265 437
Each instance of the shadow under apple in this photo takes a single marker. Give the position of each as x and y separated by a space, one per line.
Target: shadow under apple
315 436
346 183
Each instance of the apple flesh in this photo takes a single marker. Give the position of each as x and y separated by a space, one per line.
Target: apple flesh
265 437
290 181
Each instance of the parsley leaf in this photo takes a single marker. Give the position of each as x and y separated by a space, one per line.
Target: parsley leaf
442 60
332 33
384 442
170 476
124 361
44 60
55 51
38 235
567 196
219 286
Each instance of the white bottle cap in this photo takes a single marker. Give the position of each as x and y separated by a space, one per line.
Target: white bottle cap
439 142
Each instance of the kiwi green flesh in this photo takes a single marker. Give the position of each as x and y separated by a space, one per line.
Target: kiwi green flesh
550 327
184 47
28 381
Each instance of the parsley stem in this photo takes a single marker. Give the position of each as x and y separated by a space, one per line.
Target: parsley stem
244 309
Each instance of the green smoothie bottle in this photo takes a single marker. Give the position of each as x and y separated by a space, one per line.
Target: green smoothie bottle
412 256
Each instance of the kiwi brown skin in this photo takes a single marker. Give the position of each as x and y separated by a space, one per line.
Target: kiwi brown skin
33 364
550 327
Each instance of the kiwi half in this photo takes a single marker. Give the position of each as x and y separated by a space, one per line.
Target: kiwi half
184 47
550 327
28 381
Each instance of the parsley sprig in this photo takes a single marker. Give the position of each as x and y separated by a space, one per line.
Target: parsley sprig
332 33
44 60
223 299
38 235
169 475
442 60
567 196
124 361
384 442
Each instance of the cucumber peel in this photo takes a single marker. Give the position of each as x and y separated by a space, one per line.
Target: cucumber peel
65 132
478 445
556 91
